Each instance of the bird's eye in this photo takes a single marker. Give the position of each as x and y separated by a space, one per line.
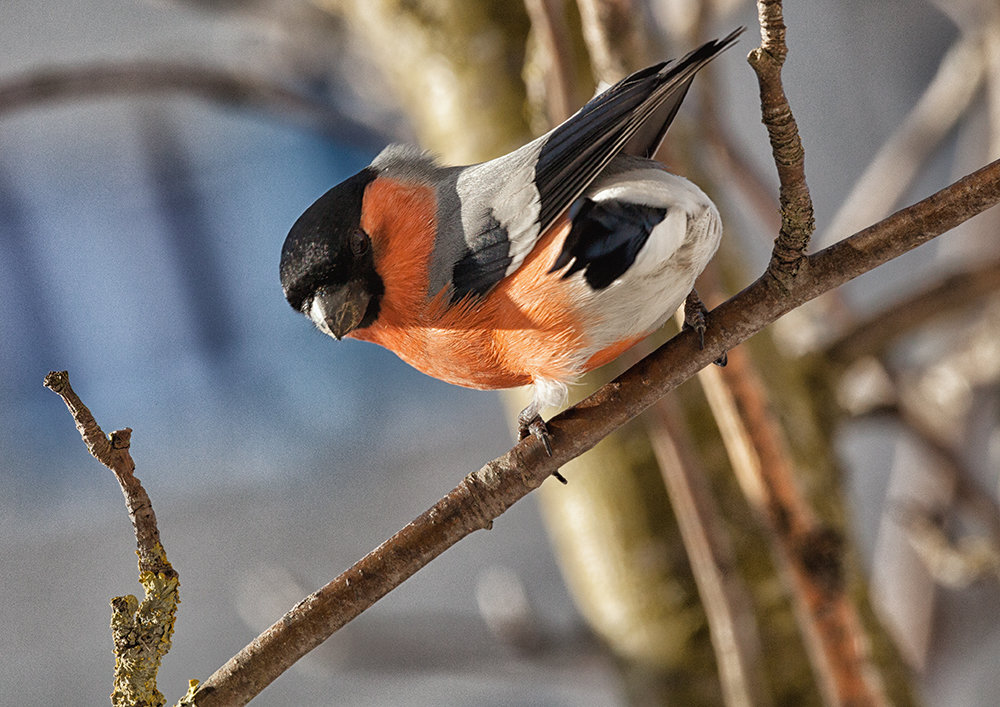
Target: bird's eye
359 243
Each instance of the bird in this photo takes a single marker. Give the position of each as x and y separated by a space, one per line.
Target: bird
532 268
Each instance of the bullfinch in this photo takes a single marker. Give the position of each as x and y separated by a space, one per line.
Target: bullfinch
531 268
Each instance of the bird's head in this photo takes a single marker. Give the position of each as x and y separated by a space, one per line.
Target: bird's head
327 266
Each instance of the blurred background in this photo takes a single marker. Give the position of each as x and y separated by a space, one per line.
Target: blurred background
153 156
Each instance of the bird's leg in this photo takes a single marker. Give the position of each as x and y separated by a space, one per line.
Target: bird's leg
529 422
696 317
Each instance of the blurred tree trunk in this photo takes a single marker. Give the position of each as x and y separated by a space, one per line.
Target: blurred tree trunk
459 70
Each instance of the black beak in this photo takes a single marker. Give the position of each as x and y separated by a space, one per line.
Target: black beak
339 310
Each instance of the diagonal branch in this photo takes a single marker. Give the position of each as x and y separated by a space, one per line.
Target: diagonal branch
484 494
728 605
952 293
895 165
548 21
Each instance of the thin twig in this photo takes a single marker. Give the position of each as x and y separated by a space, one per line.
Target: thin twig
797 222
484 494
114 453
141 631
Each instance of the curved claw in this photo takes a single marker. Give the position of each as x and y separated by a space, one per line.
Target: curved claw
696 317
535 427
532 424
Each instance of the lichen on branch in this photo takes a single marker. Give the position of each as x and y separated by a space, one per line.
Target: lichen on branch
141 631
797 223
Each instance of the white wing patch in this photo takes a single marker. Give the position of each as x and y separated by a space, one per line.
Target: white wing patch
664 271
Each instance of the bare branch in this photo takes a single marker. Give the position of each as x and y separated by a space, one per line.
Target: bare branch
727 602
548 21
896 163
485 494
953 293
611 31
143 77
141 631
797 222
114 454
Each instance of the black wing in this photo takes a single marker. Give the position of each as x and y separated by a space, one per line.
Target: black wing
576 151
605 238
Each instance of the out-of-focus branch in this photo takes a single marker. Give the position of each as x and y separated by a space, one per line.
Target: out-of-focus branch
969 492
896 163
953 293
612 529
485 494
615 44
991 38
953 563
732 170
548 22
143 77
740 175
797 222
455 65
728 606
808 554
141 631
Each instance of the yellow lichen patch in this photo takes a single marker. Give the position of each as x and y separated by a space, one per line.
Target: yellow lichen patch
142 633
188 698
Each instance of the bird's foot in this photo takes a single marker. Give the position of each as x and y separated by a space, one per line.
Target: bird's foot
530 422
696 317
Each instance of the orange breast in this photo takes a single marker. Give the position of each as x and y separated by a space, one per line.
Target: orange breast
524 328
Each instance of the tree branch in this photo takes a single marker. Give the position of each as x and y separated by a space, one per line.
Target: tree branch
143 77
895 165
953 293
141 631
797 222
484 494
548 22
727 601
